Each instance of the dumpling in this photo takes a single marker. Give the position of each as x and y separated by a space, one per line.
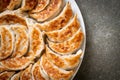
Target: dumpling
7 41
6 75
28 5
21 40
63 34
9 17
16 76
66 61
59 22
14 4
26 74
2 68
37 72
69 46
50 11
16 63
53 71
36 41
41 5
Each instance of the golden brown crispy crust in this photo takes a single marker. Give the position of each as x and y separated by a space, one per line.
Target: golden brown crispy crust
69 46
4 4
59 22
16 76
65 33
28 4
41 5
54 72
53 8
6 75
6 37
16 63
36 73
9 19
26 74
13 4
21 41
66 61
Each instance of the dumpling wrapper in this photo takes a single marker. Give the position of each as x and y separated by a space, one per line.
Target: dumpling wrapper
66 32
41 5
2 68
26 74
21 40
69 46
53 71
37 72
16 76
6 75
36 41
58 22
11 17
7 41
16 63
14 4
64 62
50 11
28 5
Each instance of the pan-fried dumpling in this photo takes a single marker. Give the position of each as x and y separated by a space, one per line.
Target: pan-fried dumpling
28 5
14 4
21 40
66 61
8 17
41 5
6 75
59 22
26 74
63 34
36 41
69 46
53 71
51 10
37 73
16 63
16 76
7 40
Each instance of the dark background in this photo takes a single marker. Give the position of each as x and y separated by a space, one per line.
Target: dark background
102 55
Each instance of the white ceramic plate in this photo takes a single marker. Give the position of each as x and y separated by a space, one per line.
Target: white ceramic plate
77 11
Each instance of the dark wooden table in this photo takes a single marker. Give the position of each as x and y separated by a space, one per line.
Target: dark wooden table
102 55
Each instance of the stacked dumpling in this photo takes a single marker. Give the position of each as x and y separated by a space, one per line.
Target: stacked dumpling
39 40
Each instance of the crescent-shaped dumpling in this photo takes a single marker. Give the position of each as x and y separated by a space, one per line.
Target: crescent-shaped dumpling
64 62
6 18
16 76
14 4
21 40
65 33
6 75
51 10
37 72
53 71
7 41
69 46
36 41
41 5
28 5
16 63
59 22
26 74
